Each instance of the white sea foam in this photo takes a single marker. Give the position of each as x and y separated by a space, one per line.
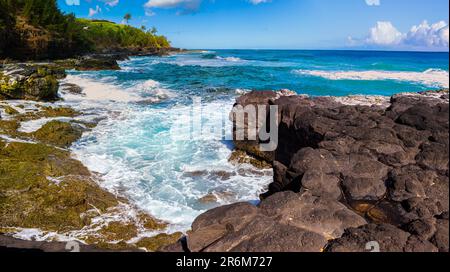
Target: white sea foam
101 90
430 77
33 125
137 157
230 59
152 91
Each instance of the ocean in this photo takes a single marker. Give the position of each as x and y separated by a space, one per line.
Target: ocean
174 176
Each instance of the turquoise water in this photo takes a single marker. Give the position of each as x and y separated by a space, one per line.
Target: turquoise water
138 154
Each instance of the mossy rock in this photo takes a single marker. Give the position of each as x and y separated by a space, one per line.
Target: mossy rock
152 244
57 133
58 112
9 126
10 88
29 199
51 69
41 88
30 82
47 112
241 157
10 110
118 231
150 223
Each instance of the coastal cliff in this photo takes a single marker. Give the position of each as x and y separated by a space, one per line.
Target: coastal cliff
348 172
37 29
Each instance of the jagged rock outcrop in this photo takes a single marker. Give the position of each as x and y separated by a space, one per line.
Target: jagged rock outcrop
345 176
30 82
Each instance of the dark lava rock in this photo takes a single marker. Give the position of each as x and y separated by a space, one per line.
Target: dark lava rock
440 237
94 62
214 224
284 222
266 235
325 216
358 176
382 238
97 62
71 88
10 244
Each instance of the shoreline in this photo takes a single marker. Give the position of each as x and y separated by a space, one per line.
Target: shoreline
360 174
349 100
100 227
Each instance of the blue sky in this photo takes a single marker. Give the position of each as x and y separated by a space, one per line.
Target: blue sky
283 24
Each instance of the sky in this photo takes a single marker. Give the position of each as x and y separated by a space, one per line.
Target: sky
406 25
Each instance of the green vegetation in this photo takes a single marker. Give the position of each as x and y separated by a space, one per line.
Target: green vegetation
106 34
36 29
127 17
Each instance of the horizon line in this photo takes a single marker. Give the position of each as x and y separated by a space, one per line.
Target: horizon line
340 49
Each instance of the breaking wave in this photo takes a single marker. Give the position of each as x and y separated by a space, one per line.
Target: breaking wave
431 77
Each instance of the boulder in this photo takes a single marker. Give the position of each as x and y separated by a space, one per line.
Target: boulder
30 82
326 217
379 238
348 177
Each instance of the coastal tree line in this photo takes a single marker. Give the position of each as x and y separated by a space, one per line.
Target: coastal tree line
38 29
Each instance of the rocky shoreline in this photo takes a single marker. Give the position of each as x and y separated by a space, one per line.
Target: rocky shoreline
348 171
351 174
44 191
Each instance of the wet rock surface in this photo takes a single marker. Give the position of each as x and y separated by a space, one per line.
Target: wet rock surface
46 195
30 81
347 174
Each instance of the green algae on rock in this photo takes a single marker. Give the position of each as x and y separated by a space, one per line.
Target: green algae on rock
57 133
10 110
241 157
30 82
9 127
31 198
154 243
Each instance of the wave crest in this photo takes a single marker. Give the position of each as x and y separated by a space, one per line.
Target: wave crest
431 77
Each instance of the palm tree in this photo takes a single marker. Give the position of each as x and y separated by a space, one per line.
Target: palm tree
127 17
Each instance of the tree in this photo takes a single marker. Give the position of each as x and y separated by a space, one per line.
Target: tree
143 28
154 31
127 17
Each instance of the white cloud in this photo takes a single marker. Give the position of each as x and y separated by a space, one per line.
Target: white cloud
172 3
373 2
257 2
384 33
435 35
186 6
149 13
111 3
421 37
92 11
